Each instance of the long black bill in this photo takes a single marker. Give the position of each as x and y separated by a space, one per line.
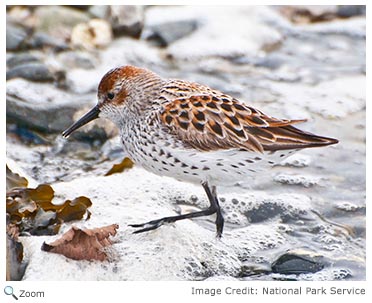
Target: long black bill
89 116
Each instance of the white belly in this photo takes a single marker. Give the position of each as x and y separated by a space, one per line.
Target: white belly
225 167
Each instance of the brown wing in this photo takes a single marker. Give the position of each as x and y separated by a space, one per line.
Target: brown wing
210 122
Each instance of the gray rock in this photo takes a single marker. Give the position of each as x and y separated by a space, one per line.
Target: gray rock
19 38
166 33
41 106
15 37
127 20
18 59
298 263
33 71
347 11
265 212
41 40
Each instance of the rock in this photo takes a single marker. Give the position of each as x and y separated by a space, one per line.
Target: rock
297 263
347 11
58 21
265 211
18 38
127 20
166 33
41 106
41 40
33 71
15 37
94 34
18 59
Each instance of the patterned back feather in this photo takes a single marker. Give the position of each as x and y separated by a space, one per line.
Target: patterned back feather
214 122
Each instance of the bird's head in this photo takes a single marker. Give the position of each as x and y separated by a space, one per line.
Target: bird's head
121 90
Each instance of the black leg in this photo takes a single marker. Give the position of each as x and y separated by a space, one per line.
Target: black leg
213 208
212 196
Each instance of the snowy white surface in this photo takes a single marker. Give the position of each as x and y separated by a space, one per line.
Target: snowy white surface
172 252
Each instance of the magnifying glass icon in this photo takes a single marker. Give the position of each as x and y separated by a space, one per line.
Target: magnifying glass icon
9 291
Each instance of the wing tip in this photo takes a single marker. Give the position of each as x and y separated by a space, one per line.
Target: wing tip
328 141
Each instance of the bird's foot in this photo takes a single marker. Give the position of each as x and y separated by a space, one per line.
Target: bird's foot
154 224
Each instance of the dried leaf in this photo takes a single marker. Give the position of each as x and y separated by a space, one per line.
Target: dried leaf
23 202
18 206
33 211
75 209
40 194
44 193
118 168
84 244
14 180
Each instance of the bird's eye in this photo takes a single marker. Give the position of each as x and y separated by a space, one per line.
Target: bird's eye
110 96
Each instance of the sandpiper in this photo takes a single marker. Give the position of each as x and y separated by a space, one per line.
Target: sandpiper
193 133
